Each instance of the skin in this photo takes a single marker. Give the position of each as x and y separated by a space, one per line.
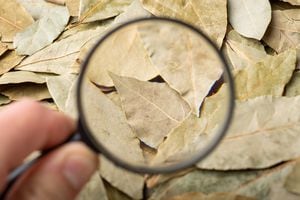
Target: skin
27 126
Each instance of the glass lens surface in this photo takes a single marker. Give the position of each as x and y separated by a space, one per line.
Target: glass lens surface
156 95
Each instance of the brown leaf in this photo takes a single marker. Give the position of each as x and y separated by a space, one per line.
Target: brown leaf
29 90
152 109
4 100
209 15
3 48
21 77
9 60
284 31
293 2
73 7
13 19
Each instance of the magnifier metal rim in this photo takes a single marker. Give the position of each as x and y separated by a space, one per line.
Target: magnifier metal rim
154 169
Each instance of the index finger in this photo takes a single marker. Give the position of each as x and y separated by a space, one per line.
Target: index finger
27 126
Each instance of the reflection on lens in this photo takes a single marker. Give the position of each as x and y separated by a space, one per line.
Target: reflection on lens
156 95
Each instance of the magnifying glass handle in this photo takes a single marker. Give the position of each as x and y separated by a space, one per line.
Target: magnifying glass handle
16 173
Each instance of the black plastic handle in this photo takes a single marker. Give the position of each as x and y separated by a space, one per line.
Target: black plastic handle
16 173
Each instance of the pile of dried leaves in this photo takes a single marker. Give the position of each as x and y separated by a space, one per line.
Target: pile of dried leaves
44 42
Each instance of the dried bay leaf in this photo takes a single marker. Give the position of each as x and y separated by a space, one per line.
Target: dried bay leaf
70 104
29 90
258 184
292 182
21 77
93 10
268 77
59 87
133 11
269 122
115 194
293 2
113 56
109 124
9 60
145 101
59 2
284 31
214 196
3 48
129 183
242 51
73 7
250 18
13 19
293 87
93 190
42 32
191 66
59 57
209 15
4 100
203 181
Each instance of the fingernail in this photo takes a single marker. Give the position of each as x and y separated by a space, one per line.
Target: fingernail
78 169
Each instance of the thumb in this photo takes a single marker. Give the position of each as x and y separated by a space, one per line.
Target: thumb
59 175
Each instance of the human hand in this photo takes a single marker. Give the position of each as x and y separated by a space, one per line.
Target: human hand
27 126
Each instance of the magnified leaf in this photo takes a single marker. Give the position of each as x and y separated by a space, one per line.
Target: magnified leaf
208 15
268 77
13 19
152 109
113 56
93 10
293 88
42 32
250 18
242 51
184 60
29 90
59 57
9 60
268 122
59 87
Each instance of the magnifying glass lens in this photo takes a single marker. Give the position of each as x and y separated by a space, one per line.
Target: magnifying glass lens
156 95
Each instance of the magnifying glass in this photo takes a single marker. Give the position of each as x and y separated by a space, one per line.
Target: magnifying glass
143 86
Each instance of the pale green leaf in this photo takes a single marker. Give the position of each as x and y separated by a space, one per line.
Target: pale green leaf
42 32
59 87
250 18
268 77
